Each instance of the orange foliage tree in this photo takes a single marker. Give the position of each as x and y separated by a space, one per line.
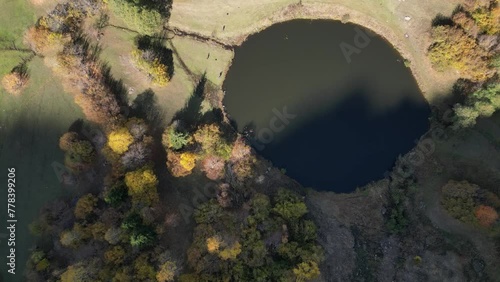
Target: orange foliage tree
14 82
486 215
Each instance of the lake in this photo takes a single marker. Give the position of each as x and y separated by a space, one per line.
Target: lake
333 104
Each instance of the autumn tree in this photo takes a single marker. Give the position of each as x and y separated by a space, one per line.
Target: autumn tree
85 206
80 272
212 142
136 156
14 82
40 39
119 140
486 215
114 255
452 47
459 200
177 168
142 185
306 271
213 167
213 244
166 272
79 154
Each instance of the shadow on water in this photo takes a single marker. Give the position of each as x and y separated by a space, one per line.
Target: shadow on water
349 145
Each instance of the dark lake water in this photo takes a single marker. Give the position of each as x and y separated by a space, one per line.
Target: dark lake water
331 103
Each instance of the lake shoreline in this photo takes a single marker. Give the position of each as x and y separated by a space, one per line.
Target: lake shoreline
323 11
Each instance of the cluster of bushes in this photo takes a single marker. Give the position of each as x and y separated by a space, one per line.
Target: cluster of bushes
154 59
90 81
208 147
484 102
143 16
470 42
470 204
263 239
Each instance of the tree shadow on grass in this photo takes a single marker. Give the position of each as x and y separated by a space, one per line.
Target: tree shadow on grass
145 106
190 115
442 20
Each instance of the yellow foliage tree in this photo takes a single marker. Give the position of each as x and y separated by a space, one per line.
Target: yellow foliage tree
452 47
231 253
155 69
488 20
119 140
142 185
213 244
188 161
166 272
306 271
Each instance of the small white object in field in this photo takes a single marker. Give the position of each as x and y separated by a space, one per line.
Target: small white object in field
407 18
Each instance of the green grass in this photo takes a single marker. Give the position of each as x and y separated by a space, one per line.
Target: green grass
30 127
15 17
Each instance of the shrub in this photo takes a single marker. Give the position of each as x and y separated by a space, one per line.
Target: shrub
119 140
40 40
153 67
14 82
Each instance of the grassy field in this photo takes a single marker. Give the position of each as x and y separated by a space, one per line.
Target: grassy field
191 61
30 127
15 17
232 21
